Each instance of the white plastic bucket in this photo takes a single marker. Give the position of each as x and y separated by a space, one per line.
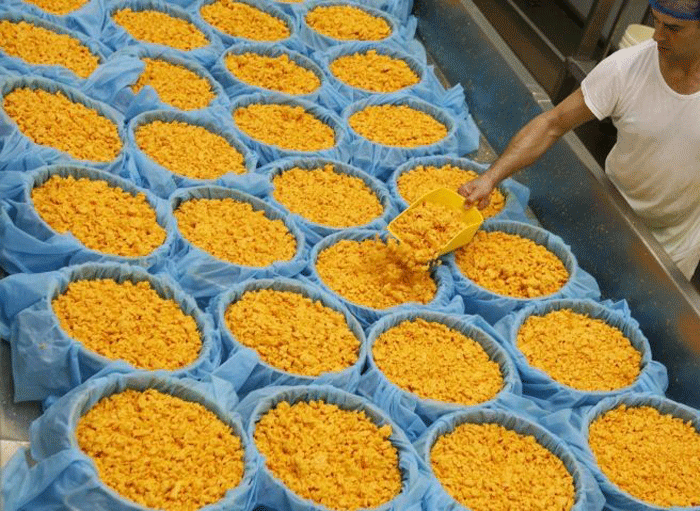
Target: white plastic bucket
635 34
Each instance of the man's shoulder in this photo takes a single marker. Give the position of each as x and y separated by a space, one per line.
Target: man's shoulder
634 55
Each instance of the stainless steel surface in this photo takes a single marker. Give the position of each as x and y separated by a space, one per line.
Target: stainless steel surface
592 33
534 48
15 418
570 193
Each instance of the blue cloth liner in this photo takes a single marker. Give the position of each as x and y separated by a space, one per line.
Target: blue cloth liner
46 361
116 37
381 160
444 300
400 9
28 244
315 41
235 87
65 478
587 496
271 491
428 88
679 10
202 275
292 41
59 73
552 395
112 82
18 152
315 232
491 306
516 195
573 428
411 412
163 182
236 367
87 19
269 153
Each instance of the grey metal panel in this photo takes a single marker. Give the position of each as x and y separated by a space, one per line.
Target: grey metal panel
570 193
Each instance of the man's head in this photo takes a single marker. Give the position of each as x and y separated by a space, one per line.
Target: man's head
677 24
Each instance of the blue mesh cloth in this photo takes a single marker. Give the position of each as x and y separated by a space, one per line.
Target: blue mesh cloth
381 160
400 33
315 232
292 41
116 37
59 73
235 87
18 152
573 428
399 9
492 306
112 82
428 88
87 19
163 182
552 395
587 496
444 300
202 275
269 153
29 319
271 491
247 377
65 478
411 412
28 244
685 9
516 195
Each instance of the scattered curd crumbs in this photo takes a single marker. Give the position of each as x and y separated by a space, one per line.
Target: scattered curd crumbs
101 216
279 73
427 228
436 362
293 333
175 85
415 183
234 232
41 46
160 451
510 265
128 321
157 27
397 125
487 467
337 458
374 72
579 351
327 197
372 273
348 23
239 19
285 126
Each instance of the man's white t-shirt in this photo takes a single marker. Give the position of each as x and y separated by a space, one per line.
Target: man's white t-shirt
655 162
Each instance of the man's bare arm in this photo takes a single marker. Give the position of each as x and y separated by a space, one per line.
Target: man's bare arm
528 145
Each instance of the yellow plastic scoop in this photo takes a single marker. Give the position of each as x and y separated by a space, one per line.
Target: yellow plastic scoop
470 218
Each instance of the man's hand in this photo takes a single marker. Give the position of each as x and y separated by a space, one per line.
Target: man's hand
477 192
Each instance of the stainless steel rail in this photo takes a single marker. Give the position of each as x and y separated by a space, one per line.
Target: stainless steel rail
570 193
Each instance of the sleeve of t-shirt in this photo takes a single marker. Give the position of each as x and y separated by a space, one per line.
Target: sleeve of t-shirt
601 88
